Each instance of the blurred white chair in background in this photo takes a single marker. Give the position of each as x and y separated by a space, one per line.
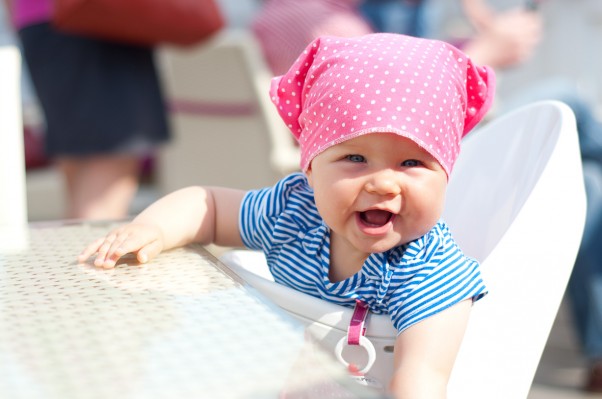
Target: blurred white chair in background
225 130
516 202
13 203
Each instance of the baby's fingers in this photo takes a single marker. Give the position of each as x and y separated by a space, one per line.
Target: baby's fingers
90 250
144 241
105 256
145 246
120 245
150 251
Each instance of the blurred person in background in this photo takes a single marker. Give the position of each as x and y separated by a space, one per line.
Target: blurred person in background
103 109
285 27
408 17
500 40
585 286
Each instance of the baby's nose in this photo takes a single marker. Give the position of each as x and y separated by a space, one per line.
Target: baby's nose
384 182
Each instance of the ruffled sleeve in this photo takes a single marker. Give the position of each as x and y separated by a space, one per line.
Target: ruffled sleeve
279 214
433 275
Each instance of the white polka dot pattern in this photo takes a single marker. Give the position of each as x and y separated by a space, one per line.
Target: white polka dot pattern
341 88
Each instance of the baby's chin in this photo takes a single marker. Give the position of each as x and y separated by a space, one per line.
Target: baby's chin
381 246
393 242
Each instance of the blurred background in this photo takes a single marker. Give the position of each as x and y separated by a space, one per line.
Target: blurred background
222 122
568 50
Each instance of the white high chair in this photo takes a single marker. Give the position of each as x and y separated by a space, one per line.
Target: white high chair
516 202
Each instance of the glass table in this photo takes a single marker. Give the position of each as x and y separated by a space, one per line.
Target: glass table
182 326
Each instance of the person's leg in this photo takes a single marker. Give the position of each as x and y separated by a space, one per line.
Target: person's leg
100 187
585 285
561 89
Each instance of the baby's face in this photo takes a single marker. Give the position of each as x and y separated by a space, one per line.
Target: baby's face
378 191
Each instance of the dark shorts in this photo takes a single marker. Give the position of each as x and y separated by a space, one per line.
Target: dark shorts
98 97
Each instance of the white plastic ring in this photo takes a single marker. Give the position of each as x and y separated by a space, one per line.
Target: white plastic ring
365 343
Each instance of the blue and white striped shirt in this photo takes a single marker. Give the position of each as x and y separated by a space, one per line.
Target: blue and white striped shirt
410 282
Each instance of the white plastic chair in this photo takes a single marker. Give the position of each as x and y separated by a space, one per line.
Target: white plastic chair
516 202
13 201
226 131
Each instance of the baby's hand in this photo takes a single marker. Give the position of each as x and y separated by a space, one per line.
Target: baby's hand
145 241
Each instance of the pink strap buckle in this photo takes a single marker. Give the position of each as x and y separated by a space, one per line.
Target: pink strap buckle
355 336
357 326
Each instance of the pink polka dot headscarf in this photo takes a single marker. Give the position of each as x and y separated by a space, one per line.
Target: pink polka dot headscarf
341 88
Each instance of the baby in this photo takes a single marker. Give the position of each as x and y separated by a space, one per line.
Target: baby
379 120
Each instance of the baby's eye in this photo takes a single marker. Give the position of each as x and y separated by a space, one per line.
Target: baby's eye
355 158
411 162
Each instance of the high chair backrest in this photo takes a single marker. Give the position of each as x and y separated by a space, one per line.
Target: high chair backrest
516 202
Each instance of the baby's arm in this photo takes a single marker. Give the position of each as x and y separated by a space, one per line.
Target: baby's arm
425 353
194 214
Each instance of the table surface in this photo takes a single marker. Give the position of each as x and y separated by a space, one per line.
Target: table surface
181 326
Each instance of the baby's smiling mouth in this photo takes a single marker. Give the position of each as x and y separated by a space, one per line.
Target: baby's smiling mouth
376 217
